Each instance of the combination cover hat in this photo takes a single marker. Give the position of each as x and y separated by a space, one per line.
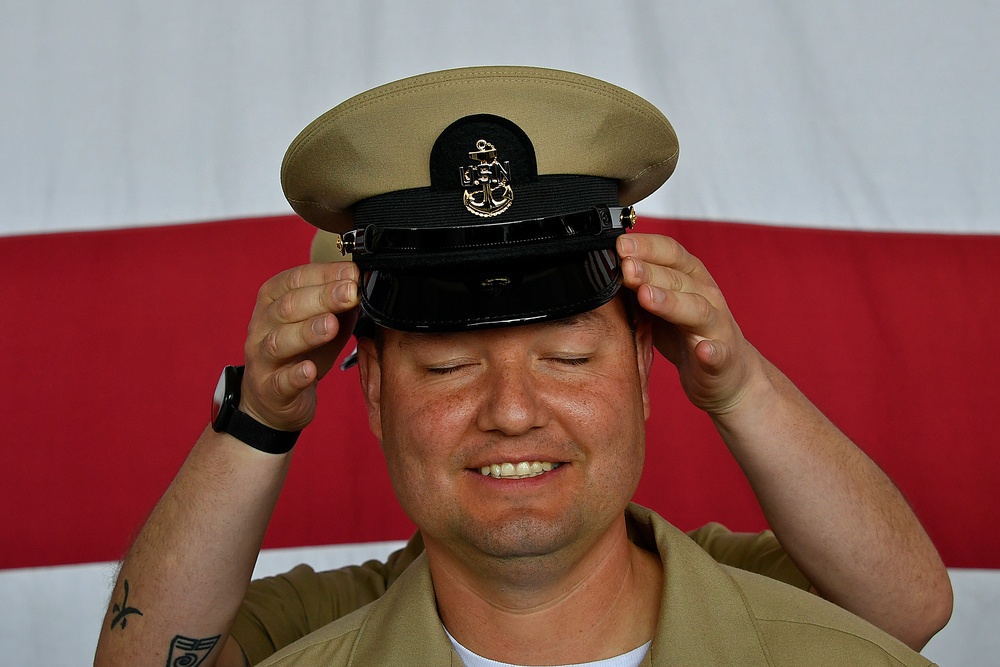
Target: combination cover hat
483 196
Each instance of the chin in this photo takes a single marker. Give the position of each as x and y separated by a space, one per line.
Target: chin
524 536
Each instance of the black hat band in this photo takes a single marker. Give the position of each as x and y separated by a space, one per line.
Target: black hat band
389 241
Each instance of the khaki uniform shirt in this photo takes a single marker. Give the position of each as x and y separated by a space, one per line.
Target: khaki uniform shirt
282 609
710 614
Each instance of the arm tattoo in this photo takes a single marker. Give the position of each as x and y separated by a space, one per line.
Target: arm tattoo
122 611
188 652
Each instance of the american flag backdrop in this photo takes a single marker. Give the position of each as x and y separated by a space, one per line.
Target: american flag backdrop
839 175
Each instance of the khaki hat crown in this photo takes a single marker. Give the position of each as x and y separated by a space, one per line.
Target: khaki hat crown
380 141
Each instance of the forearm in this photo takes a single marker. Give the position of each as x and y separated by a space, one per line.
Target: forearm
188 569
836 513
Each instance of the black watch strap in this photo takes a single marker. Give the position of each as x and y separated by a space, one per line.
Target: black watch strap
243 427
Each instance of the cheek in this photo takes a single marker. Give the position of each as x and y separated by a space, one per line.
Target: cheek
424 414
421 428
422 431
606 416
609 403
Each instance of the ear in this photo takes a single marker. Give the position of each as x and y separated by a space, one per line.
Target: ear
645 352
370 372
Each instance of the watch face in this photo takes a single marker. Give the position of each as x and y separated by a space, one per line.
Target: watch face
219 397
227 397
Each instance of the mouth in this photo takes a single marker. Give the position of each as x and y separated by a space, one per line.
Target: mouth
519 470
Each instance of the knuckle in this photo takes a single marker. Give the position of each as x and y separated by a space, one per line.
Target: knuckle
675 281
271 344
705 310
672 249
284 307
295 278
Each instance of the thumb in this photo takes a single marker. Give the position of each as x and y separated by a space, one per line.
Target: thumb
712 356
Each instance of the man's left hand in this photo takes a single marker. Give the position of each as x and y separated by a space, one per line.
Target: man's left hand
692 327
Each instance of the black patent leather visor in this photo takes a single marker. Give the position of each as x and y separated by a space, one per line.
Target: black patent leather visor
490 294
394 247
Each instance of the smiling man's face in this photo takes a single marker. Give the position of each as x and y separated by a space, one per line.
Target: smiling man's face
557 409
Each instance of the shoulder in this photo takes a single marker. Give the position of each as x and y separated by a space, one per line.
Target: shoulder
799 628
719 614
755 552
407 614
332 645
281 609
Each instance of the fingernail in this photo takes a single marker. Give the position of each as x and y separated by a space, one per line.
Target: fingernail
655 294
344 292
628 246
319 326
637 268
347 272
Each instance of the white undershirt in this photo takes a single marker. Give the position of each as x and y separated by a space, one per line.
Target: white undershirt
630 659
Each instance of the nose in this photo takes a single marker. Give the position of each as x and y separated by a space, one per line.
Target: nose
512 403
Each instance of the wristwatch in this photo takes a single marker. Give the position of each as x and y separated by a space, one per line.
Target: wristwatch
227 418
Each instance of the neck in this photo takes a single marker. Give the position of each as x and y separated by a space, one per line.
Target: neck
552 610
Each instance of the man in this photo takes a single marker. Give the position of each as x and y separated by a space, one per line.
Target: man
280 610
505 375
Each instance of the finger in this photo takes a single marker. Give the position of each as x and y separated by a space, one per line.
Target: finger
712 356
305 276
279 391
303 303
289 381
635 272
660 250
281 399
326 356
313 307
289 341
691 311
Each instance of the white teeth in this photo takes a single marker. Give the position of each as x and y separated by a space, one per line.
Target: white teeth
518 470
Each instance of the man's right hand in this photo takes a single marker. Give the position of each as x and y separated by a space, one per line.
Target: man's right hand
303 318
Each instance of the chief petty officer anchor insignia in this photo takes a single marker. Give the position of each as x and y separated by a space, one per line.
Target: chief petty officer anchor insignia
490 192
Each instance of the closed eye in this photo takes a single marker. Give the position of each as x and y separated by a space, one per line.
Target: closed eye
572 361
446 370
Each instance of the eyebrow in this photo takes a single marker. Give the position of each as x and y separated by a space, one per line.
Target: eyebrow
585 318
